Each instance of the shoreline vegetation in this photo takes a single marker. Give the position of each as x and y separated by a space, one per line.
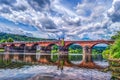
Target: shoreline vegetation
112 54
2 50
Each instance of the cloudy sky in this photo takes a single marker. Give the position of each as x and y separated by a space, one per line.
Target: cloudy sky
72 19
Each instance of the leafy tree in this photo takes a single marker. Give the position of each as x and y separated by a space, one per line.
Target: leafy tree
10 40
116 36
54 49
114 50
75 49
3 41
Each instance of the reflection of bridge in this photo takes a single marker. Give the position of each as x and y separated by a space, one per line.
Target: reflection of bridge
46 46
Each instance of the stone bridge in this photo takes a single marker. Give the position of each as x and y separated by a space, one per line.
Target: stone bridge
46 47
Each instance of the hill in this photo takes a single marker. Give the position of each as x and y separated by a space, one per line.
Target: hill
16 37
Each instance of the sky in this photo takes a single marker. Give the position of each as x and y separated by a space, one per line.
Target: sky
54 19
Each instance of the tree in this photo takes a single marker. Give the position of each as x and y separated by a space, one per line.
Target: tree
10 40
113 51
116 36
3 41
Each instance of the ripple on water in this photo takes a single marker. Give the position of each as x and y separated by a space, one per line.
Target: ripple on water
51 72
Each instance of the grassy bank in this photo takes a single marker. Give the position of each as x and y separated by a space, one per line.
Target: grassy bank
2 50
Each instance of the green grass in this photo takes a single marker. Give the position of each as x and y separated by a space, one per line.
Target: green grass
2 50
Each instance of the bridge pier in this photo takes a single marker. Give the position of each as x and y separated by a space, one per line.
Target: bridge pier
16 57
28 58
6 56
7 48
45 56
87 58
63 51
90 55
87 54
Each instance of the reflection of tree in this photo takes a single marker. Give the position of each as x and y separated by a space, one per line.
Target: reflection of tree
54 49
113 54
73 50
54 52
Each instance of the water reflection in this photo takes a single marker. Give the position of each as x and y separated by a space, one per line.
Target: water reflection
46 58
42 72
47 72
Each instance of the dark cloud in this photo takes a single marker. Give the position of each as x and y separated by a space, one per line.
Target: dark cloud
5 10
38 4
115 14
19 8
72 21
41 3
48 24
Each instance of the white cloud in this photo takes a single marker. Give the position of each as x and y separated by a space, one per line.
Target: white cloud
89 19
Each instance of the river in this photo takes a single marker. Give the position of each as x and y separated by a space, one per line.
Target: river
50 72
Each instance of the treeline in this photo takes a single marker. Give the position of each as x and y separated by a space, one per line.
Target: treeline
4 37
113 51
78 49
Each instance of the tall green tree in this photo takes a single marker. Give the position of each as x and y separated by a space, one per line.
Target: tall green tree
114 50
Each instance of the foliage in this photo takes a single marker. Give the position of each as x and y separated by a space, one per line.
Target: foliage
54 49
98 49
116 36
10 40
5 37
106 54
2 50
75 49
114 50
3 41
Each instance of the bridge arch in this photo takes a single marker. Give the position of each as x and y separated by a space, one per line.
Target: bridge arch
12 47
49 46
35 47
100 43
97 50
53 48
22 47
74 52
69 44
